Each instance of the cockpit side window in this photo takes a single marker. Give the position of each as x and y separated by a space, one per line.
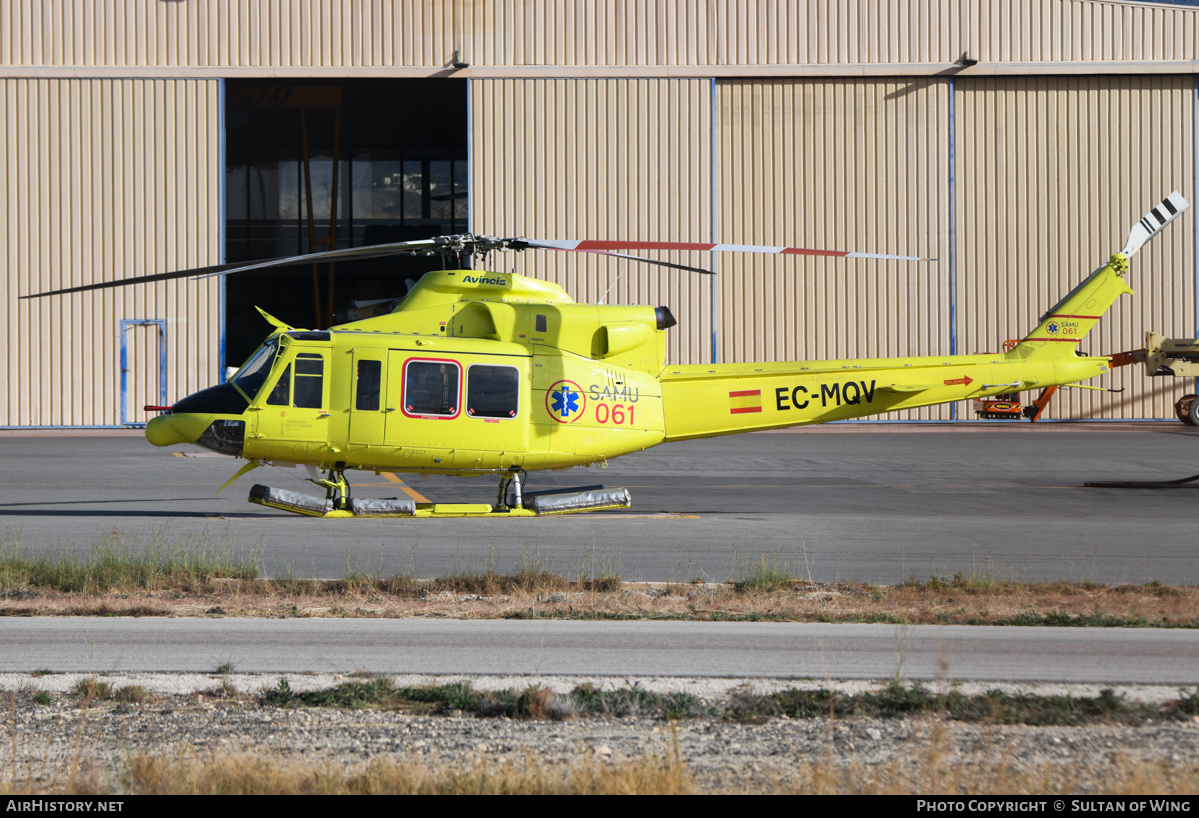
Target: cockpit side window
370 379
309 389
281 393
304 388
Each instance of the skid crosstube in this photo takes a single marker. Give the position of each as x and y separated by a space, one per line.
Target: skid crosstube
540 504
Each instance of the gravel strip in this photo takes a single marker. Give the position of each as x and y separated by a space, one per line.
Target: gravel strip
46 741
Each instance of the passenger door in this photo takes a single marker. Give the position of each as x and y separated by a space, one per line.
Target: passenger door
367 409
424 399
470 411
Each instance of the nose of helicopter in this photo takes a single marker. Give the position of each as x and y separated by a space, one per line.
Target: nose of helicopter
212 418
225 435
164 431
169 429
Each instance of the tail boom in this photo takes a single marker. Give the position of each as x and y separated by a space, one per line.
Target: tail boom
707 400
716 399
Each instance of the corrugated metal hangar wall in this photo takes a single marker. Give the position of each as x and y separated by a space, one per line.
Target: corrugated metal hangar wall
104 179
845 125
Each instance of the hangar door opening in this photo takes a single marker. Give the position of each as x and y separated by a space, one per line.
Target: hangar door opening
323 165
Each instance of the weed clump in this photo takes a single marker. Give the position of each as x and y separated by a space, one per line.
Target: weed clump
92 689
457 697
899 700
1187 705
130 694
599 572
636 701
764 575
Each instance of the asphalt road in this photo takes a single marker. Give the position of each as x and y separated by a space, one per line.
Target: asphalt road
879 503
548 648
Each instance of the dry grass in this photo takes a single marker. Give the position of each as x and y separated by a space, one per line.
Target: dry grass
536 595
116 562
930 766
165 575
151 775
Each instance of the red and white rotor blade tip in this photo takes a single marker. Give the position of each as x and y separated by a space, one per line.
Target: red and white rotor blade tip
592 246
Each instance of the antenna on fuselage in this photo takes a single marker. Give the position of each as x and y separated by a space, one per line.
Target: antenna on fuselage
610 286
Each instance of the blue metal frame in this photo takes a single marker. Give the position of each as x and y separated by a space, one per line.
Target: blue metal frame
953 292
470 204
713 203
222 233
126 323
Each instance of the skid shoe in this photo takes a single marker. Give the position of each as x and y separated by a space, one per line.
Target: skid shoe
337 502
512 501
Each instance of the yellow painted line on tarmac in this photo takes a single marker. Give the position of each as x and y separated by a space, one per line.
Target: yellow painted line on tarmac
411 492
603 515
106 484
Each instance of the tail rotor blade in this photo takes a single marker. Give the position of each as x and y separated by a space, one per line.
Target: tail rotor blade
1154 222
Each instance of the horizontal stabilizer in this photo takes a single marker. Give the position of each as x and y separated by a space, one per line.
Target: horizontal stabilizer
907 387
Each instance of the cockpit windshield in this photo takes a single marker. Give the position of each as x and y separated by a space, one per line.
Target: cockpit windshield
250 377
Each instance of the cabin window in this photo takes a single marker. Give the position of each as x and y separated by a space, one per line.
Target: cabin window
309 389
370 378
541 323
431 388
492 391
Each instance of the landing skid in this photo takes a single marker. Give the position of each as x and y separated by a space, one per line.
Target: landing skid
511 502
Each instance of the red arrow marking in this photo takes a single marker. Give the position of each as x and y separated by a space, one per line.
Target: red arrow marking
965 380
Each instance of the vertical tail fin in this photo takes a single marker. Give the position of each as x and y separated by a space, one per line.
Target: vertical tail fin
1064 326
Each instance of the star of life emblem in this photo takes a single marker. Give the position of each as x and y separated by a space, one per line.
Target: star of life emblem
565 401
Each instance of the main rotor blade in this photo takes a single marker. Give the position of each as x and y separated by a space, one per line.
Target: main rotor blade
1154 222
603 246
429 246
472 244
219 269
521 244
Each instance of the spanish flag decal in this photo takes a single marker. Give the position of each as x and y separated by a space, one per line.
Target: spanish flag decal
740 403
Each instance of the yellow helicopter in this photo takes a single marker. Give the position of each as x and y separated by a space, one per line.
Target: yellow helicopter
478 372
